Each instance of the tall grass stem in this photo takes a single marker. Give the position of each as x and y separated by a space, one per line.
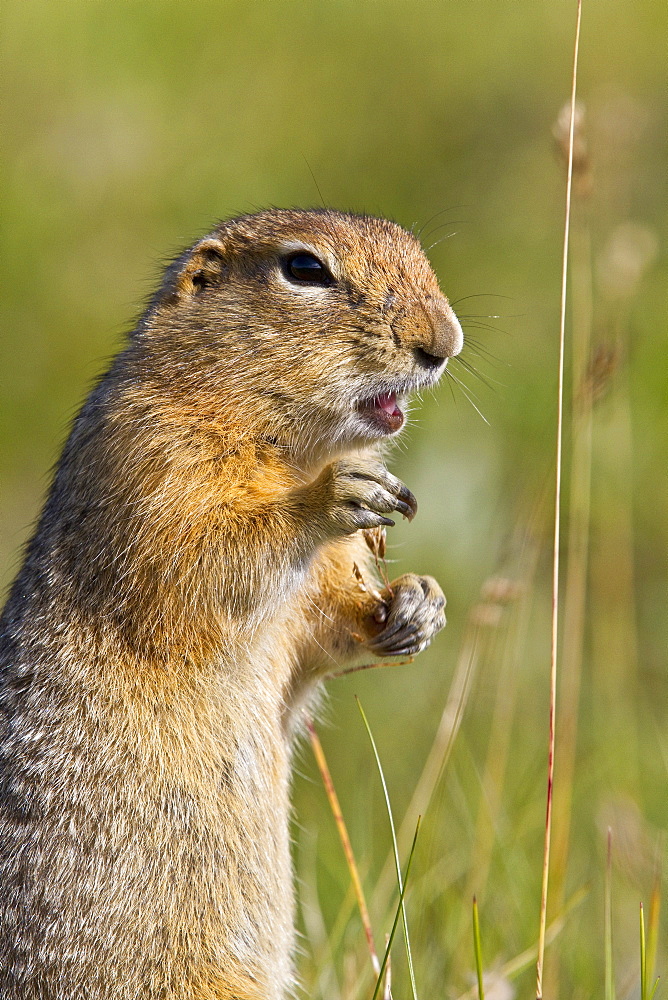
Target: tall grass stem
575 598
557 525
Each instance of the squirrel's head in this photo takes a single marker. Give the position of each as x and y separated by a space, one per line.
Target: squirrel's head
321 323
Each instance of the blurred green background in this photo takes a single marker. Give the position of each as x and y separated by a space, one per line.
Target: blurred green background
128 129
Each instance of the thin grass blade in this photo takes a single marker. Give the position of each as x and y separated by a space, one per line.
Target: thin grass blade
609 974
643 957
394 845
477 948
398 913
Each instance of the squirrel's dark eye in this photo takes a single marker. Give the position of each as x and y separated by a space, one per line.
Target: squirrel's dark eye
306 269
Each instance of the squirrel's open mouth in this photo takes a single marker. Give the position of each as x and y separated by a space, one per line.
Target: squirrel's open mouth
383 411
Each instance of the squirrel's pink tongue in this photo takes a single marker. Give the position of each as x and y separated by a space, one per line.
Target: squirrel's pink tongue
384 412
387 403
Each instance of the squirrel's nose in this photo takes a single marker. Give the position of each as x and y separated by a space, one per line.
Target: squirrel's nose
429 326
447 337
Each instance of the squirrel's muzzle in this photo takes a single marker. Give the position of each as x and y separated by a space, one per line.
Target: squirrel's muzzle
431 328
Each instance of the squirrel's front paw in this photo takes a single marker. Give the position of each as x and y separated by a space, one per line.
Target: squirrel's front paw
356 494
413 614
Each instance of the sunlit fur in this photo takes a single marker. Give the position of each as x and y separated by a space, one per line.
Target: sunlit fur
177 605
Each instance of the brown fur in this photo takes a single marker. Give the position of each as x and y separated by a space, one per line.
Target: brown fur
190 580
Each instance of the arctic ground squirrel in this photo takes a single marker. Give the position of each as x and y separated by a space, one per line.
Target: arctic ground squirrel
194 574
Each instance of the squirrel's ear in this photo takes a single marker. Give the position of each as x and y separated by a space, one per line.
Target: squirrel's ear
202 267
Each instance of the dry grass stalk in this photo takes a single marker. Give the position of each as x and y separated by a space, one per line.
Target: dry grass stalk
575 601
557 525
345 841
653 937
